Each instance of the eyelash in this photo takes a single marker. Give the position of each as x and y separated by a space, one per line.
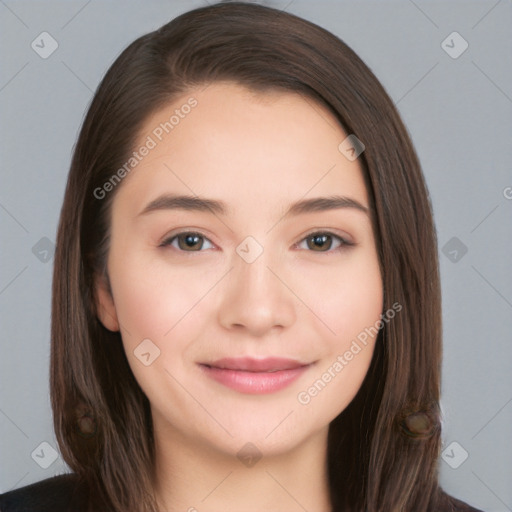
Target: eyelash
344 244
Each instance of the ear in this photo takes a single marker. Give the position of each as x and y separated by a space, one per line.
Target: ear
104 302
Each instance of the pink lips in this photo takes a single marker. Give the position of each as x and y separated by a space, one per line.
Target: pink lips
255 376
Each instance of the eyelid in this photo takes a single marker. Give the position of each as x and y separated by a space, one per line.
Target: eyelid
345 237
344 242
168 239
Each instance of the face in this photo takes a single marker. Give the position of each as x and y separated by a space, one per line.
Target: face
249 277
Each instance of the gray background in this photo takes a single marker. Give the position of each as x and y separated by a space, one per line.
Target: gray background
458 111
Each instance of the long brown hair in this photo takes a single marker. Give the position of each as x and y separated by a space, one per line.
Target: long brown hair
383 448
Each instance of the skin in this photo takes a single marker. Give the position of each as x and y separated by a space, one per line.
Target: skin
257 152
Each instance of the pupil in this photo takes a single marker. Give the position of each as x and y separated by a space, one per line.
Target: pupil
319 239
191 240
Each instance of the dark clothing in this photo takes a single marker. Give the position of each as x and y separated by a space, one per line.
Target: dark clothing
60 493
64 493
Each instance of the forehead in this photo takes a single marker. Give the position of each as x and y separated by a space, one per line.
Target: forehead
244 146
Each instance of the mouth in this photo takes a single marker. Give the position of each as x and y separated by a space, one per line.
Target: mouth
255 376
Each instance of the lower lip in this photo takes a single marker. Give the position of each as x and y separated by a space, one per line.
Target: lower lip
254 382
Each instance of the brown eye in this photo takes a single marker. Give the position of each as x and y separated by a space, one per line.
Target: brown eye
189 241
186 241
323 242
320 242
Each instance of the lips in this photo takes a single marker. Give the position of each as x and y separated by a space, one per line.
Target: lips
255 376
248 364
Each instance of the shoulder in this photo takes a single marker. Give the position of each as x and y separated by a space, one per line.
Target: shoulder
62 493
451 504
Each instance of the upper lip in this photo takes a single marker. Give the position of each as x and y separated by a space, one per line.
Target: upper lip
250 364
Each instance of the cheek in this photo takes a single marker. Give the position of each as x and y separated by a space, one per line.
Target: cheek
164 305
154 301
350 305
346 298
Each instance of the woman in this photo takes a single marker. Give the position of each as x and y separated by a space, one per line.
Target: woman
246 300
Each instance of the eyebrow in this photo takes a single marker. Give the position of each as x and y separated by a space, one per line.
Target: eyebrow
203 204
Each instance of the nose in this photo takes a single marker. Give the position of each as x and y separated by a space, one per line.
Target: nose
256 297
